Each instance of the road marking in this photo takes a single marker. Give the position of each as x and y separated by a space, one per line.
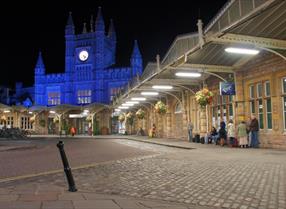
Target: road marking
92 165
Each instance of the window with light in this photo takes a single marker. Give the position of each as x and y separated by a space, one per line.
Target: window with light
54 98
84 96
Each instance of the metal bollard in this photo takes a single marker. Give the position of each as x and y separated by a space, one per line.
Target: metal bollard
67 168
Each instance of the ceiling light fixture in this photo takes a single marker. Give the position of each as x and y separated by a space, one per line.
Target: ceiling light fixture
162 87
188 74
127 105
149 93
241 51
138 99
132 102
122 107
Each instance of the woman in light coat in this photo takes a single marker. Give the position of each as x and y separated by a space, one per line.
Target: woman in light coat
242 134
231 132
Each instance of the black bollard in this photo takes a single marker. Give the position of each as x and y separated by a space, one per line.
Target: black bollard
67 168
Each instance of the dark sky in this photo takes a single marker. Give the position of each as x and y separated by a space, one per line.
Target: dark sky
25 29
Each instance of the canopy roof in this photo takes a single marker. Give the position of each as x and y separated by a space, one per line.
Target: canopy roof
257 24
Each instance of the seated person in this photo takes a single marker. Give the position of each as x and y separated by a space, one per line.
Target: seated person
213 136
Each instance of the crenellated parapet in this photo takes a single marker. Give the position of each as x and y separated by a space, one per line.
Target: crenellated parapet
55 78
85 36
118 73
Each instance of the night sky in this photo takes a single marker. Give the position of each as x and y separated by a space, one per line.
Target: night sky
26 29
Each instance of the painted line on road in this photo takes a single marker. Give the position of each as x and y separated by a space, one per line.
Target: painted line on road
158 143
92 165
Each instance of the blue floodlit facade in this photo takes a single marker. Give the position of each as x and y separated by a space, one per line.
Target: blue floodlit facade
89 73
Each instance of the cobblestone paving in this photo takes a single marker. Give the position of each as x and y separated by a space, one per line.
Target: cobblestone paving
212 176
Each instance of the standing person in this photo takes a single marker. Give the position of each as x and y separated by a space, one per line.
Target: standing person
242 134
222 133
72 131
153 130
254 128
190 131
231 132
248 131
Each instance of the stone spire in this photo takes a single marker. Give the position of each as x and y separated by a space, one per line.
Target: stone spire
84 30
40 67
91 23
136 60
111 31
99 23
40 62
136 52
70 26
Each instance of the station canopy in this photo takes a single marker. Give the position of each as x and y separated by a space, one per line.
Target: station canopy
254 25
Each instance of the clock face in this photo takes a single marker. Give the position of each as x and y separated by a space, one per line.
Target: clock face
83 55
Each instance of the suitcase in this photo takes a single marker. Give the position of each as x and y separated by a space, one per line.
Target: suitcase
202 139
197 138
235 142
221 141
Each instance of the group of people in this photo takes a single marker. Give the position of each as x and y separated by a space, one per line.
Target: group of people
244 135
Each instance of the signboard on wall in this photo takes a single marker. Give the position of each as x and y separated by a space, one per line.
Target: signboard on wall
227 88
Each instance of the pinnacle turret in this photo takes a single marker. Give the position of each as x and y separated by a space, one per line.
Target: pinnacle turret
111 31
70 26
136 52
84 30
40 67
99 23
91 23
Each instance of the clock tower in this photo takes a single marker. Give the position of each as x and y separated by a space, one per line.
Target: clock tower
89 75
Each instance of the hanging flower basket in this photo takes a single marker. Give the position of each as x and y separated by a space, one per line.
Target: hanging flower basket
89 118
204 97
3 118
121 118
56 119
140 114
32 119
130 118
160 107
